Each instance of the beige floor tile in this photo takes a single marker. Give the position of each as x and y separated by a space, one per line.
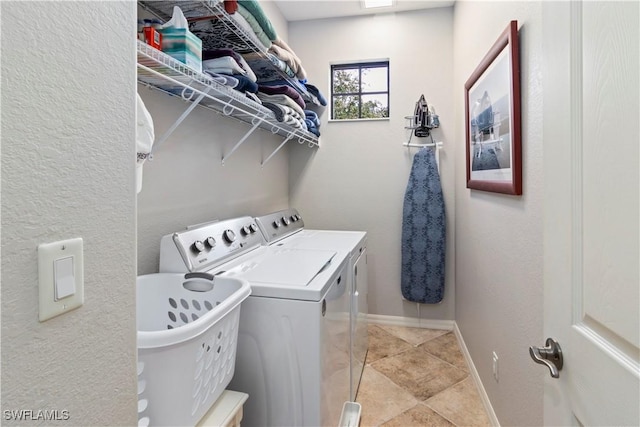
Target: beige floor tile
419 415
419 372
446 348
381 399
461 404
383 344
413 336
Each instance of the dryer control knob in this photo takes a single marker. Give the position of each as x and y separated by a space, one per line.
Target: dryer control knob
276 224
197 246
229 236
285 220
245 230
253 228
293 218
210 241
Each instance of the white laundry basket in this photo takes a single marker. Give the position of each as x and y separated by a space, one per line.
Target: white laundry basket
187 338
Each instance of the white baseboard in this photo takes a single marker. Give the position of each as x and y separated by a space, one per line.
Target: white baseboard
410 322
476 378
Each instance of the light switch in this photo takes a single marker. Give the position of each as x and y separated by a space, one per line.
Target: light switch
65 282
60 277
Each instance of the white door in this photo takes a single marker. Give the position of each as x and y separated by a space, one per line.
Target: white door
591 161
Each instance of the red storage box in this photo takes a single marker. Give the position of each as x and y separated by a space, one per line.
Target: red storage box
153 37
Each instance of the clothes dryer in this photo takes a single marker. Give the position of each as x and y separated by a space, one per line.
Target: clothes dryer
285 229
288 357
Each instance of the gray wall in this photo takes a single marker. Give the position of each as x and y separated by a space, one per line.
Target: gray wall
68 98
499 298
357 180
186 183
67 171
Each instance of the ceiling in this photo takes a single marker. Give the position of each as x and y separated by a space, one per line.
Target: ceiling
300 10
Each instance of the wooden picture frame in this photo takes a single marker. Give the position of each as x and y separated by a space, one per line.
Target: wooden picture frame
492 118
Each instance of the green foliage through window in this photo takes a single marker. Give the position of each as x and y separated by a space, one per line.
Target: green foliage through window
360 91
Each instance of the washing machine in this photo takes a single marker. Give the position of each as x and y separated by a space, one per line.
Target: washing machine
290 357
285 229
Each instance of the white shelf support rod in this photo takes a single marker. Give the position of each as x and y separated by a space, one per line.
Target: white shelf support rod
177 123
277 149
438 144
256 123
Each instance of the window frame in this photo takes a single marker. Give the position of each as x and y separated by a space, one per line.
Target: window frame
359 65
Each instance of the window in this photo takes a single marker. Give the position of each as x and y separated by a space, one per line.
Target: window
360 91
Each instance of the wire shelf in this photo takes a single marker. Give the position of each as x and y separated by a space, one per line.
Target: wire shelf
160 71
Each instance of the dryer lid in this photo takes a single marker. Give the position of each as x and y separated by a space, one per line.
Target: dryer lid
286 266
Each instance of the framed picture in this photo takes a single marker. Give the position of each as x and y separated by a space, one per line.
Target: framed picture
492 114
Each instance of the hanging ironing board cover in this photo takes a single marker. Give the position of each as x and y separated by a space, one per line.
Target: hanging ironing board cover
423 232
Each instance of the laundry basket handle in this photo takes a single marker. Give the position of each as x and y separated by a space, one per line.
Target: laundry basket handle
198 275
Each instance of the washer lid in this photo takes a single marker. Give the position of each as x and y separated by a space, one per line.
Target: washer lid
285 267
325 239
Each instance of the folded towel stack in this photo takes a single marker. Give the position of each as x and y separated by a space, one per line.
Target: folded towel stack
282 51
283 90
286 114
285 102
222 64
312 121
293 100
262 27
316 93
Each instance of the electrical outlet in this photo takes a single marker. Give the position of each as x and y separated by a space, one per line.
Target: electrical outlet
495 366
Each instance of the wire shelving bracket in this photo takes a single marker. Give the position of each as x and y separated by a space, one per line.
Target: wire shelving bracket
277 149
180 119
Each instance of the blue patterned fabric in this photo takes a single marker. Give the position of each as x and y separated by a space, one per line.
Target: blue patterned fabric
423 232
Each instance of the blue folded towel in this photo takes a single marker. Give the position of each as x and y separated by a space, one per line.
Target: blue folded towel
313 117
316 92
311 127
245 84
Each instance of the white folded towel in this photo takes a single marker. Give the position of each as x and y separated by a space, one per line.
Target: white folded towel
223 63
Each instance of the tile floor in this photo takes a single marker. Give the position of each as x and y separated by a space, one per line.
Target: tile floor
417 377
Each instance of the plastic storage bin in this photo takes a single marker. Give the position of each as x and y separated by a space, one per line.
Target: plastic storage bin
187 338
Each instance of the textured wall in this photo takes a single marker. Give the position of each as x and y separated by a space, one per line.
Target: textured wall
499 298
68 87
357 179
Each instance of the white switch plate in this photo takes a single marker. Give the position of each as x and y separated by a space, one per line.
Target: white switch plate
48 254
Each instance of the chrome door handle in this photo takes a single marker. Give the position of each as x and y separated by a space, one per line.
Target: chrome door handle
551 356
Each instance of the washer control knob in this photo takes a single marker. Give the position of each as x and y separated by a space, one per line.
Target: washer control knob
285 220
245 230
253 228
293 218
276 224
197 246
210 241
229 236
